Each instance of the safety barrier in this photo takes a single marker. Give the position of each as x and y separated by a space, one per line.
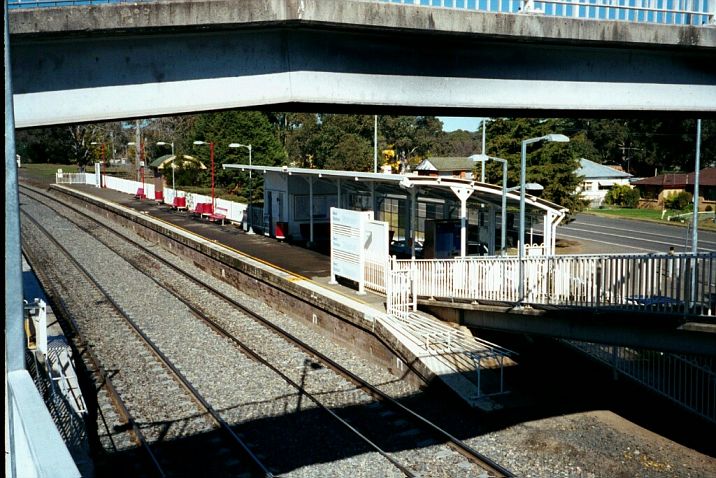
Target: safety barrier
660 283
689 381
670 12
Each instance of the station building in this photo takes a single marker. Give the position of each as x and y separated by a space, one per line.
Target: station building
429 216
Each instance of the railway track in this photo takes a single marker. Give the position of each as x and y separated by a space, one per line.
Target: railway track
322 394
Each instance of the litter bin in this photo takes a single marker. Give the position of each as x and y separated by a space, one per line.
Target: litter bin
281 230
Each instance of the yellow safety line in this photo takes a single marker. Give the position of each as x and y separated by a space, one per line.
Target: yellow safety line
294 279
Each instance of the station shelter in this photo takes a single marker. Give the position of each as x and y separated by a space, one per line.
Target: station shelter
428 216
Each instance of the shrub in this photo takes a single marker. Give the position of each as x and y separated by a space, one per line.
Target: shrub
678 201
622 196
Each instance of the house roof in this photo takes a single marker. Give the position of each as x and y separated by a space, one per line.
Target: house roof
445 164
591 170
707 177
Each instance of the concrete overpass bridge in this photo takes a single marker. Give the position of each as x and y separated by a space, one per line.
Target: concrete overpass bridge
124 60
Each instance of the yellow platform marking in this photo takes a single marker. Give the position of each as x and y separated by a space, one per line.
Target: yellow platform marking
293 279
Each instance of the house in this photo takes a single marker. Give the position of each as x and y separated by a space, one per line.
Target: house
598 179
655 189
446 166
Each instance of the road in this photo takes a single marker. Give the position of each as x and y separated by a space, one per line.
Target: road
598 234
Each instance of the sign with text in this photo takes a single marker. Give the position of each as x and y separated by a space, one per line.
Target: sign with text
348 232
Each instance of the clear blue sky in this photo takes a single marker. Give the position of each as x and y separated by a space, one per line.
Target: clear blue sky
452 123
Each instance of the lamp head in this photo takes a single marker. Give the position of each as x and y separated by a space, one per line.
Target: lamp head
161 143
94 142
479 158
557 138
131 143
200 142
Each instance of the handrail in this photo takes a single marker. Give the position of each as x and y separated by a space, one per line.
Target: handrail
680 284
670 12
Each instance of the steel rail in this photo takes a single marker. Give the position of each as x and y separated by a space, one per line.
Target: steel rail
455 442
159 354
120 405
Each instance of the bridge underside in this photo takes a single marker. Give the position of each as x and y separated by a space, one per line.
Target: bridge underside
625 329
81 78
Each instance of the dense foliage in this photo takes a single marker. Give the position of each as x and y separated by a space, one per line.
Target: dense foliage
333 141
622 196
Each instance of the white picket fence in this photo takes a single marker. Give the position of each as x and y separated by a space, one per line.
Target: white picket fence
664 283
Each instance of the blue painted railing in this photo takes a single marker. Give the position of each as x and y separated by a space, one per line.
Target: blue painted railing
670 12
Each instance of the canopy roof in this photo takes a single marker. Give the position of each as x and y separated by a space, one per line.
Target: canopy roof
167 159
437 186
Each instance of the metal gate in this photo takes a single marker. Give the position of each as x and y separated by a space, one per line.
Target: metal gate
400 294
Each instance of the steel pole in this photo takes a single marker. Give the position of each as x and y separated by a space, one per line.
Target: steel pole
521 237
503 230
695 221
482 166
375 143
251 181
697 166
211 152
174 163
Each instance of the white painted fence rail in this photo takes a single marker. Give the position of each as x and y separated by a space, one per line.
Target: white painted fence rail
660 283
669 12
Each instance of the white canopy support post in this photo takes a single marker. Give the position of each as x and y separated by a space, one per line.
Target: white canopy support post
372 196
547 226
338 193
491 229
463 194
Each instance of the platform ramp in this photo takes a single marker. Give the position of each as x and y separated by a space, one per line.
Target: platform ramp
471 367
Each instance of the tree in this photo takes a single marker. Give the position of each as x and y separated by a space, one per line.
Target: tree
224 128
553 165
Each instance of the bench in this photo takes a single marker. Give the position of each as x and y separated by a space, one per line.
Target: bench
202 209
179 203
159 197
140 194
219 214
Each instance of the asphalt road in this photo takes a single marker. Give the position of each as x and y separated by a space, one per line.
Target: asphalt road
598 234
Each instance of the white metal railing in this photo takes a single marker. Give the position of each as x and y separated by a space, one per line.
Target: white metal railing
687 380
663 283
672 12
400 294
74 178
376 274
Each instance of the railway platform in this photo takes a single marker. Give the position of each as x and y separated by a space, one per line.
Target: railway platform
432 348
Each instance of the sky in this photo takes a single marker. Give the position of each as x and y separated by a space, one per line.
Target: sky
453 123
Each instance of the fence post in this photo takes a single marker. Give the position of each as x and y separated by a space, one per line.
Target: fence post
599 282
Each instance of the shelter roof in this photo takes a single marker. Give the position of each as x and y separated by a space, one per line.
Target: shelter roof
591 170
440 186
167 159
445 164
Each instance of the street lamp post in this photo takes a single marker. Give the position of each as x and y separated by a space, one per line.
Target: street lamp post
503 225
140 160
162 143
558 138
211 153
482 151
247 146
101 171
